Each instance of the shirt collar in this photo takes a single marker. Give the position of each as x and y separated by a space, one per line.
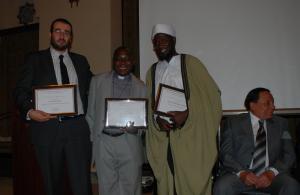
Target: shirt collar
172 60
56 53
117 76
254 119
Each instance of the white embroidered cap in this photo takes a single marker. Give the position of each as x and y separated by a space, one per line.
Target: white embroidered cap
163 28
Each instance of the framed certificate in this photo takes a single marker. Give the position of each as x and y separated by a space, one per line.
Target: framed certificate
169 99
56 99
121 113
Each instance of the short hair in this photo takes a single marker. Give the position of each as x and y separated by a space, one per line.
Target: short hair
253 96
121 48
62 20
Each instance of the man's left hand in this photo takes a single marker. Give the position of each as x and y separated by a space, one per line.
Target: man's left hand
131 130
179 117
265 179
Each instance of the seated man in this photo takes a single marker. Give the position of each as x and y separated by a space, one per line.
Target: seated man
256 150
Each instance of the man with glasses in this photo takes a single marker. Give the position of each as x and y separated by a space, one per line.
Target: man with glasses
58 141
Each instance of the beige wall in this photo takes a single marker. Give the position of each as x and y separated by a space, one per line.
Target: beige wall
8 13
97 26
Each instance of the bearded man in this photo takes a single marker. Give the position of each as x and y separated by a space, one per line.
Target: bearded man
182 151
58 140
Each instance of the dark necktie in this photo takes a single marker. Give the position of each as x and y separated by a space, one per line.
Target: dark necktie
63 71
259 157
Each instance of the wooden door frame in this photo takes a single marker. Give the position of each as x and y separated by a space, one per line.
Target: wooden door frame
130 30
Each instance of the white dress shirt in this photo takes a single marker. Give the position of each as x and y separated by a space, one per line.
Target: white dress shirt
71 73
169 73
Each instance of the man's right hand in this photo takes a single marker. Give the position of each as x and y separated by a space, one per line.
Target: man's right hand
248 178
40 116
163 124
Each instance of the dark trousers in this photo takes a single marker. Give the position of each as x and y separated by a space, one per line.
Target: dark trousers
69 147
230 184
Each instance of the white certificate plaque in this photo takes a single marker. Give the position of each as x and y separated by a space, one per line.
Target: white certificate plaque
122 113
170 99
56 99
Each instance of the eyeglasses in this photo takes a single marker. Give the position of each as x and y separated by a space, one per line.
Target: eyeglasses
60 31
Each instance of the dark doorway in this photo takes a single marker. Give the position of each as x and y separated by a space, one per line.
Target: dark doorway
130 30
15 43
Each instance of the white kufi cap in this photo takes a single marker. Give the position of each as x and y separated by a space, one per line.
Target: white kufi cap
163 28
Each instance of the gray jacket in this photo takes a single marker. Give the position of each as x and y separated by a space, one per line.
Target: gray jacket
100 88
237 145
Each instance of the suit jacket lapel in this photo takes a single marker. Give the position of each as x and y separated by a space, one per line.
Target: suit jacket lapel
78 72
76 66
271 134
48 62
109 86
248 129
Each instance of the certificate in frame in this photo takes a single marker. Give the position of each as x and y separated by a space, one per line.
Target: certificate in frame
169 99
122 113
56 99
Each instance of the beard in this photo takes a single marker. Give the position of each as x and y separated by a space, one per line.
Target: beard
164 55
58 47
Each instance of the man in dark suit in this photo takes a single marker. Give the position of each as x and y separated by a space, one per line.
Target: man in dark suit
256 150
58 140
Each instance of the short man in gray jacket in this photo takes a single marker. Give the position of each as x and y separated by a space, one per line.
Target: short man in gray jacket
118 153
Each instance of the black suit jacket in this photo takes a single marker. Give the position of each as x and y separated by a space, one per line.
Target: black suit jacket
237 144
38 70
